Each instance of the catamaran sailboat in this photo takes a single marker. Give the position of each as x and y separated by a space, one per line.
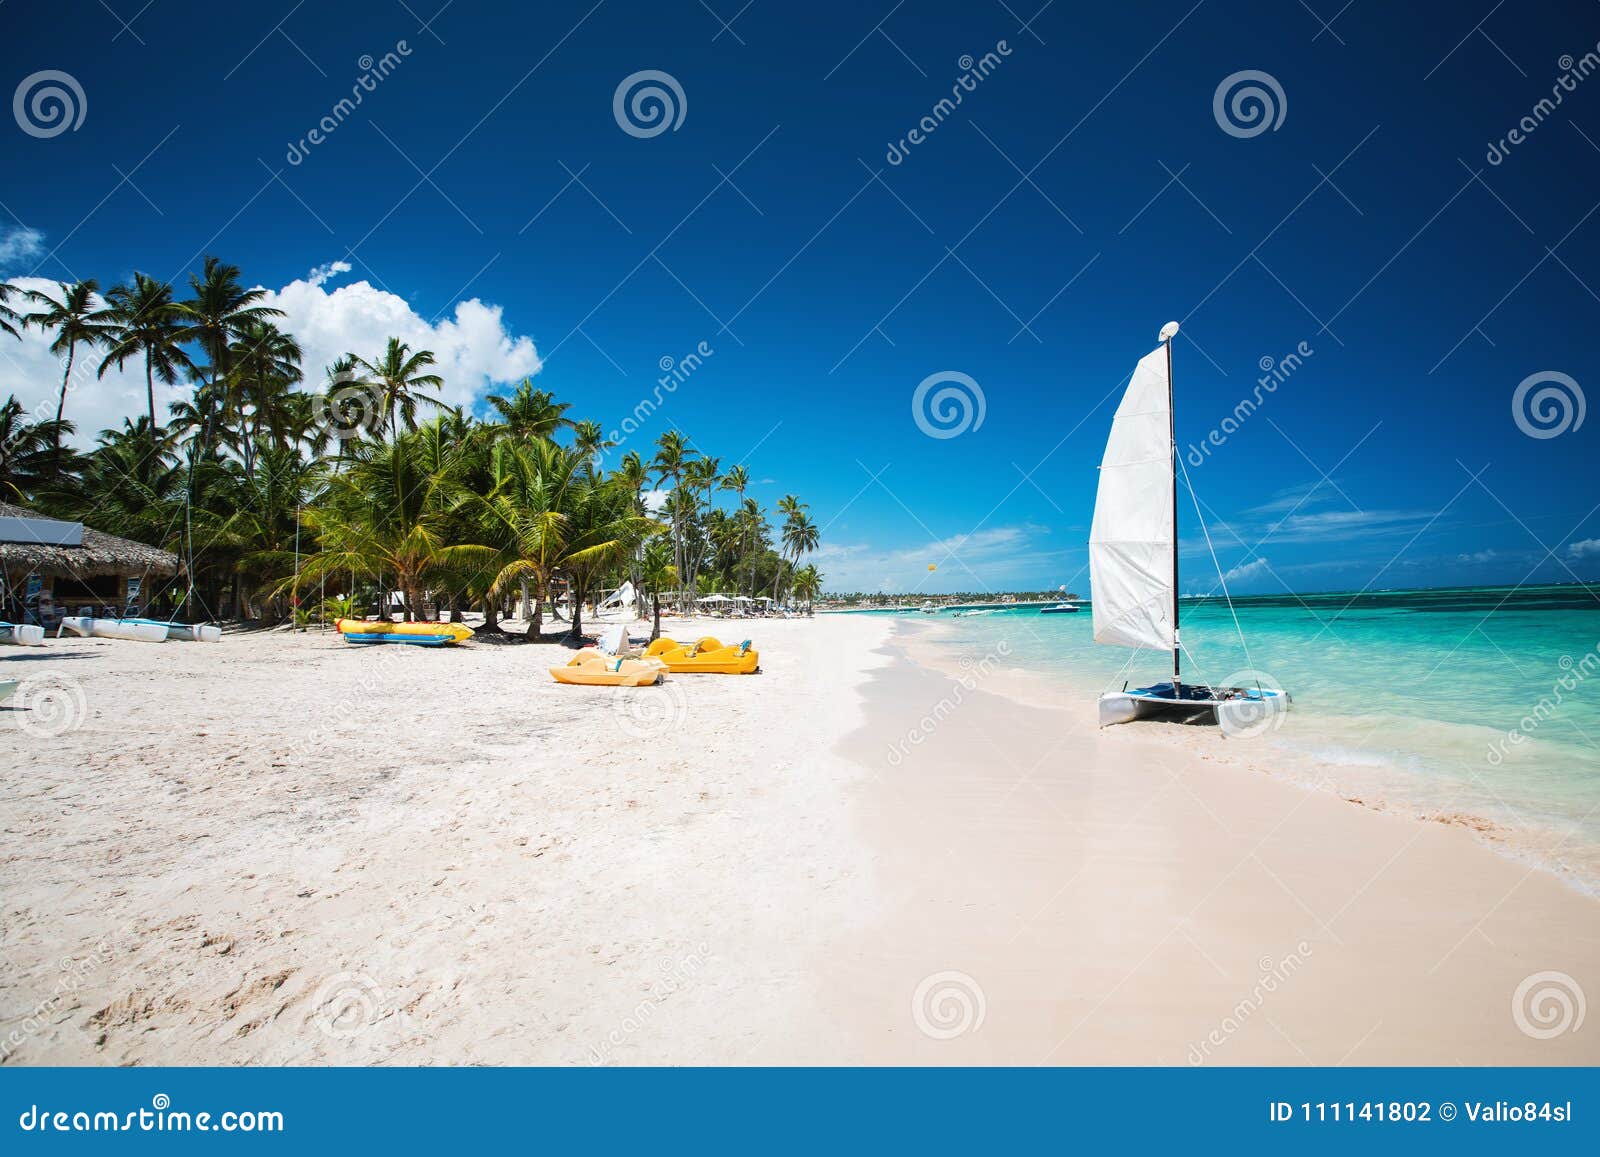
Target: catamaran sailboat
1133 560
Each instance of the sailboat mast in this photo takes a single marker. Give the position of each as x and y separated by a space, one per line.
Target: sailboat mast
1172 435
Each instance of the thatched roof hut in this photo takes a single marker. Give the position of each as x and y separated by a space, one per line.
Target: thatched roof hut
97 555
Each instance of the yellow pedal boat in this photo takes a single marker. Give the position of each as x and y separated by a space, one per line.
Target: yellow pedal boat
423 634
592 669
706 656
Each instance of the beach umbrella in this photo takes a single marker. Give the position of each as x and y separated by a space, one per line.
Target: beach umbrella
716 599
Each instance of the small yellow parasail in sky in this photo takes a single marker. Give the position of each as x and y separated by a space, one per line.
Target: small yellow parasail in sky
933 566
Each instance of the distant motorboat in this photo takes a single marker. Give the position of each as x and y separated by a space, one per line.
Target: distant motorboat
1060 609
929 609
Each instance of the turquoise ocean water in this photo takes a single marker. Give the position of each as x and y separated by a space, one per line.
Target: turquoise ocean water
1480 703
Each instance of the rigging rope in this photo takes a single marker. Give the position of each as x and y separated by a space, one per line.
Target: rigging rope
1221 579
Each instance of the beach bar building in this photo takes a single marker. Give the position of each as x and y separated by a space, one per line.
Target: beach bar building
50 568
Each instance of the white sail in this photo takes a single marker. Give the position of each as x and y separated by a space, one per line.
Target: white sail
1131 542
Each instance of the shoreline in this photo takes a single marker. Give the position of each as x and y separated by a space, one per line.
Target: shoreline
1380 784
1057 896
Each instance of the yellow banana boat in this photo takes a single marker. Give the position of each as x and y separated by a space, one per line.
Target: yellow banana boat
592 669
706 656
422 634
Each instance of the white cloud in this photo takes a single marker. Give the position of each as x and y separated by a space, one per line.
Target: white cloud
471 345
324 273
473 349
1246 572
30 371
1478 556
1585 548
19 244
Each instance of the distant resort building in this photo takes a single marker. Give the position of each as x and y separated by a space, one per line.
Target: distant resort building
50 568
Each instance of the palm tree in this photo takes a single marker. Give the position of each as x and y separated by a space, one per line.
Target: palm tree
398 384
213 318
737 480
590 439
635 476
673 455
148 324
527 511
800 536
605 530
659 575
9 318
29 454
265 366
700 478
807 584
385 517
531 413
791 508
755 522
76 320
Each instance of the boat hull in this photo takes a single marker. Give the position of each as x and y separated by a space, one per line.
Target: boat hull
1238 711
132 629
22 634
706 657
412 640
1058 610
592 669
186 632
417 634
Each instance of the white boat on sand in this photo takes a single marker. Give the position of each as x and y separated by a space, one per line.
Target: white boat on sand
88 627
22 634
143 630
1133 561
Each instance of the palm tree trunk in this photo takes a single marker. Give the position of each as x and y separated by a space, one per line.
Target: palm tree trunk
577 610
536 622
655 632
150 396
61 406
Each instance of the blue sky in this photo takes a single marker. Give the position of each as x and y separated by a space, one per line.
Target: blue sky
1083 193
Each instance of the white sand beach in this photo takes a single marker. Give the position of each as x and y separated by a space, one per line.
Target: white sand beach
283 849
